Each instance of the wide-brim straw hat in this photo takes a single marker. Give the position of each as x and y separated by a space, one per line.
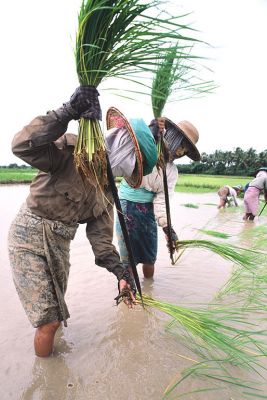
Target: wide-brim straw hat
144 144
190 132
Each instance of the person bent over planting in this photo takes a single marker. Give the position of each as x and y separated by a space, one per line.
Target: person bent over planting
252 194
144 208
60 199
227 194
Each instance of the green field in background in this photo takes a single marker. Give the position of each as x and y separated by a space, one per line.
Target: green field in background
17 175
208 183
186 183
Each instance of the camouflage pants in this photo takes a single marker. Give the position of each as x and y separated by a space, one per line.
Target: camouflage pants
39 258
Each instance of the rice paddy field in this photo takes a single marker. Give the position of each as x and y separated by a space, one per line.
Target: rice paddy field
110 352
207 183
17 175
185 183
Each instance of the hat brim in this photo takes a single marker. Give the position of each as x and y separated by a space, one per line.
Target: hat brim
260 169
136 178
193 152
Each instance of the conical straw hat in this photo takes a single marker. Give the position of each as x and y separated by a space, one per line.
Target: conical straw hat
115 119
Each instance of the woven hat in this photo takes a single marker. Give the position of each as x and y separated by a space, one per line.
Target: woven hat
188 131
238 187
260 169
144 144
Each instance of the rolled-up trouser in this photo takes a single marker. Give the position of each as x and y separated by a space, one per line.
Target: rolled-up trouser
251 200
39 258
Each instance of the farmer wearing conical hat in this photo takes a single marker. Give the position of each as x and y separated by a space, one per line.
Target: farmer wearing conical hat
144 208
60 199
252 194
227 194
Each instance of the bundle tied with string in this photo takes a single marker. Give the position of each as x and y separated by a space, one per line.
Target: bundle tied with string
90 150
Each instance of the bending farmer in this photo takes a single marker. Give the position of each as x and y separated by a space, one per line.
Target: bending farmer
228 194
252 194
144 208
60 199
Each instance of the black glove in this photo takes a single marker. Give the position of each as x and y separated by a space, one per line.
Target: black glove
84 103
174 238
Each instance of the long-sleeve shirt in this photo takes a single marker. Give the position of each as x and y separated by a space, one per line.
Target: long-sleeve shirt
59 193
153 185
232 193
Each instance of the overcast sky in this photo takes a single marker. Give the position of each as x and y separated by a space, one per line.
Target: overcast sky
38 70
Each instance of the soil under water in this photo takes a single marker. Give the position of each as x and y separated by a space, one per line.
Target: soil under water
109 352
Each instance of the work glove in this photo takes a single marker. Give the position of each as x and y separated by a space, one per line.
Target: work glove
174 238
84 103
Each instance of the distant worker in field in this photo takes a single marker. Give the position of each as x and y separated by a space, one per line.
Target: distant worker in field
228 194
252 194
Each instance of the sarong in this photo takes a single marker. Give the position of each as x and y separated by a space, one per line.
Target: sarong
39 258
251 200
142 229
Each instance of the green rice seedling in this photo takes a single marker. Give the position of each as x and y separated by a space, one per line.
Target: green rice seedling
220 347
221 235
238 255
190 205
250 287
119 39
175 74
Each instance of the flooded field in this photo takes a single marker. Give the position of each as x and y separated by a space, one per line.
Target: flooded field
109 352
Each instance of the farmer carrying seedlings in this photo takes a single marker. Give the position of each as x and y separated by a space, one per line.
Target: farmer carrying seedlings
144 208
60 199
228 193
252 194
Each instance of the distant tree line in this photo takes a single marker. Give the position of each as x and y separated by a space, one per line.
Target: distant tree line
236 162
16 166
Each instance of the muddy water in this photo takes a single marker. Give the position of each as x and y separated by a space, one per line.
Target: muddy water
110 352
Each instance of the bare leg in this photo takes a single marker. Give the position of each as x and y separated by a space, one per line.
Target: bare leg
44 338
148 270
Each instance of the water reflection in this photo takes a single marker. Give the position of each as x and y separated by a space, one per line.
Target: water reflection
52 377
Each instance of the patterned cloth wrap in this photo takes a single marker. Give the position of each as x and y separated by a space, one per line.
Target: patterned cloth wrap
142 229
39 258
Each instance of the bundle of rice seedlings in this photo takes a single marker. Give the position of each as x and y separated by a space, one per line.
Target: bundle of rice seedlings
220 347
175 75
119 39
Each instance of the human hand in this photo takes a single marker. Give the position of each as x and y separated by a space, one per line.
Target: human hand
173 239
126 294
84 103
157 127
161 124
